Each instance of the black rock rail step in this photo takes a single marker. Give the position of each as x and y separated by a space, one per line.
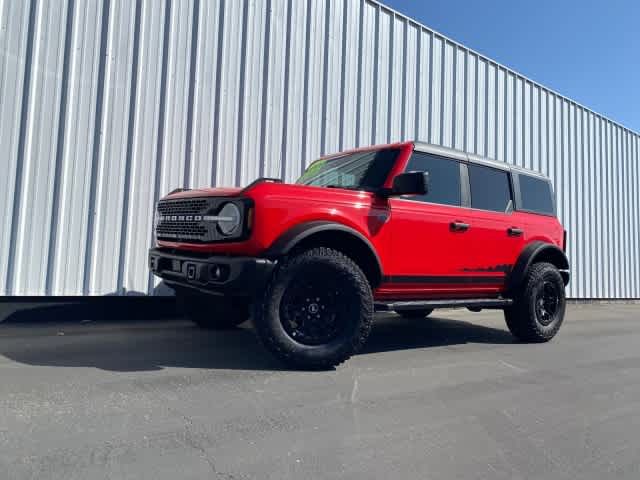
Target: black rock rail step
402 305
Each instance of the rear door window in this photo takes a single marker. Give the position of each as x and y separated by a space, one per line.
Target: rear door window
444 178
535 195
490 189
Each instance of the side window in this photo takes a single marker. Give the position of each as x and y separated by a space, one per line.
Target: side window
444 178
490 189
535 194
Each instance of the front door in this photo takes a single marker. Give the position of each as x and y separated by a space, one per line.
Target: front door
429 235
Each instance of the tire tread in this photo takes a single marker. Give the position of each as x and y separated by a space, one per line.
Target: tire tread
520 318
346 266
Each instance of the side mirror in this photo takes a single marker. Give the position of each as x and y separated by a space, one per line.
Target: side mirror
410 183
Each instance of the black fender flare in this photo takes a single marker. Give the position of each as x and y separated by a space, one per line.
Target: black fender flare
529 255
287 241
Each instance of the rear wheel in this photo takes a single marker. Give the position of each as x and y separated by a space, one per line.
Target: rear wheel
415 313
212 312
317 310
538 310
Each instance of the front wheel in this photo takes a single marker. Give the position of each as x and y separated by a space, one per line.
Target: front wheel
317 310
539 308
211 312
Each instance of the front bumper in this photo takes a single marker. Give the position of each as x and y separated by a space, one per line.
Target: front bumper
221 275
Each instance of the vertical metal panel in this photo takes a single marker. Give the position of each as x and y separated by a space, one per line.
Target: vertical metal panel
332 85
16 44
105 105
459 99
295 91
250 107
424 79
35 186
518 127
144 164
489 103
382 76
535 138
435 123
471 92
500 101
409 97
368 75
396 80
448 89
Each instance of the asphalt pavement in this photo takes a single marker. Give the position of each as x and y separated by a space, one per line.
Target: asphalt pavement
132 394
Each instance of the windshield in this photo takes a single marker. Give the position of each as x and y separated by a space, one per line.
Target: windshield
355 171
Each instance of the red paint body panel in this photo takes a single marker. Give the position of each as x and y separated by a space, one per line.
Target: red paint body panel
412 239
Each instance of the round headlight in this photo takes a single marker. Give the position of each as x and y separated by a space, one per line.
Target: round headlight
229 219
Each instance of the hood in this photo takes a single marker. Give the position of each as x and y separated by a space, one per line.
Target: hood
205 192
219 191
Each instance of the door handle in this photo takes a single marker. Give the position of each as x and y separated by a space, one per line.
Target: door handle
514 231
459 226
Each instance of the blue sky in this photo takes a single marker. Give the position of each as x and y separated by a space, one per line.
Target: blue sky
586 50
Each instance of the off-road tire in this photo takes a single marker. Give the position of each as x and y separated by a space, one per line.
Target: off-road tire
324 269
211 312
523 318
414 314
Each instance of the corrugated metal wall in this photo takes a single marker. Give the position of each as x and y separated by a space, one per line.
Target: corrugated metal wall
105 105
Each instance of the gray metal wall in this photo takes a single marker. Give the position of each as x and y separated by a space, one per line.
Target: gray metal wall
105 105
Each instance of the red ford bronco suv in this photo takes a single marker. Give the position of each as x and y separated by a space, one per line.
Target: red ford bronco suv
406 227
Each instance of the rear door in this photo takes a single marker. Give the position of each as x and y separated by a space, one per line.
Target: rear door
496 232
429 233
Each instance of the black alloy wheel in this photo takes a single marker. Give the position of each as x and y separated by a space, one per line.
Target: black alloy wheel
547 303
316 311
313 312
538 308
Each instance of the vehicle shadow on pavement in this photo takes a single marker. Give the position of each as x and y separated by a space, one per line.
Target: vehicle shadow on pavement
392 333
124 337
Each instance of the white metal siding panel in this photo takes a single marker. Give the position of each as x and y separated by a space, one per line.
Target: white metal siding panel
543 156
382 76
536 136
459 102
409 97
471 91
396 80
315 73
272 121
293 153
448 82
424 79
111 165
332 80
527 125
250 109
145 166
31 247
487 106
227 128
518 128
105 105
364 115
435 122
501 98
15 64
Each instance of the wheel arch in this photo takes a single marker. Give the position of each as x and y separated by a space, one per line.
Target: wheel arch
332 235
533 253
